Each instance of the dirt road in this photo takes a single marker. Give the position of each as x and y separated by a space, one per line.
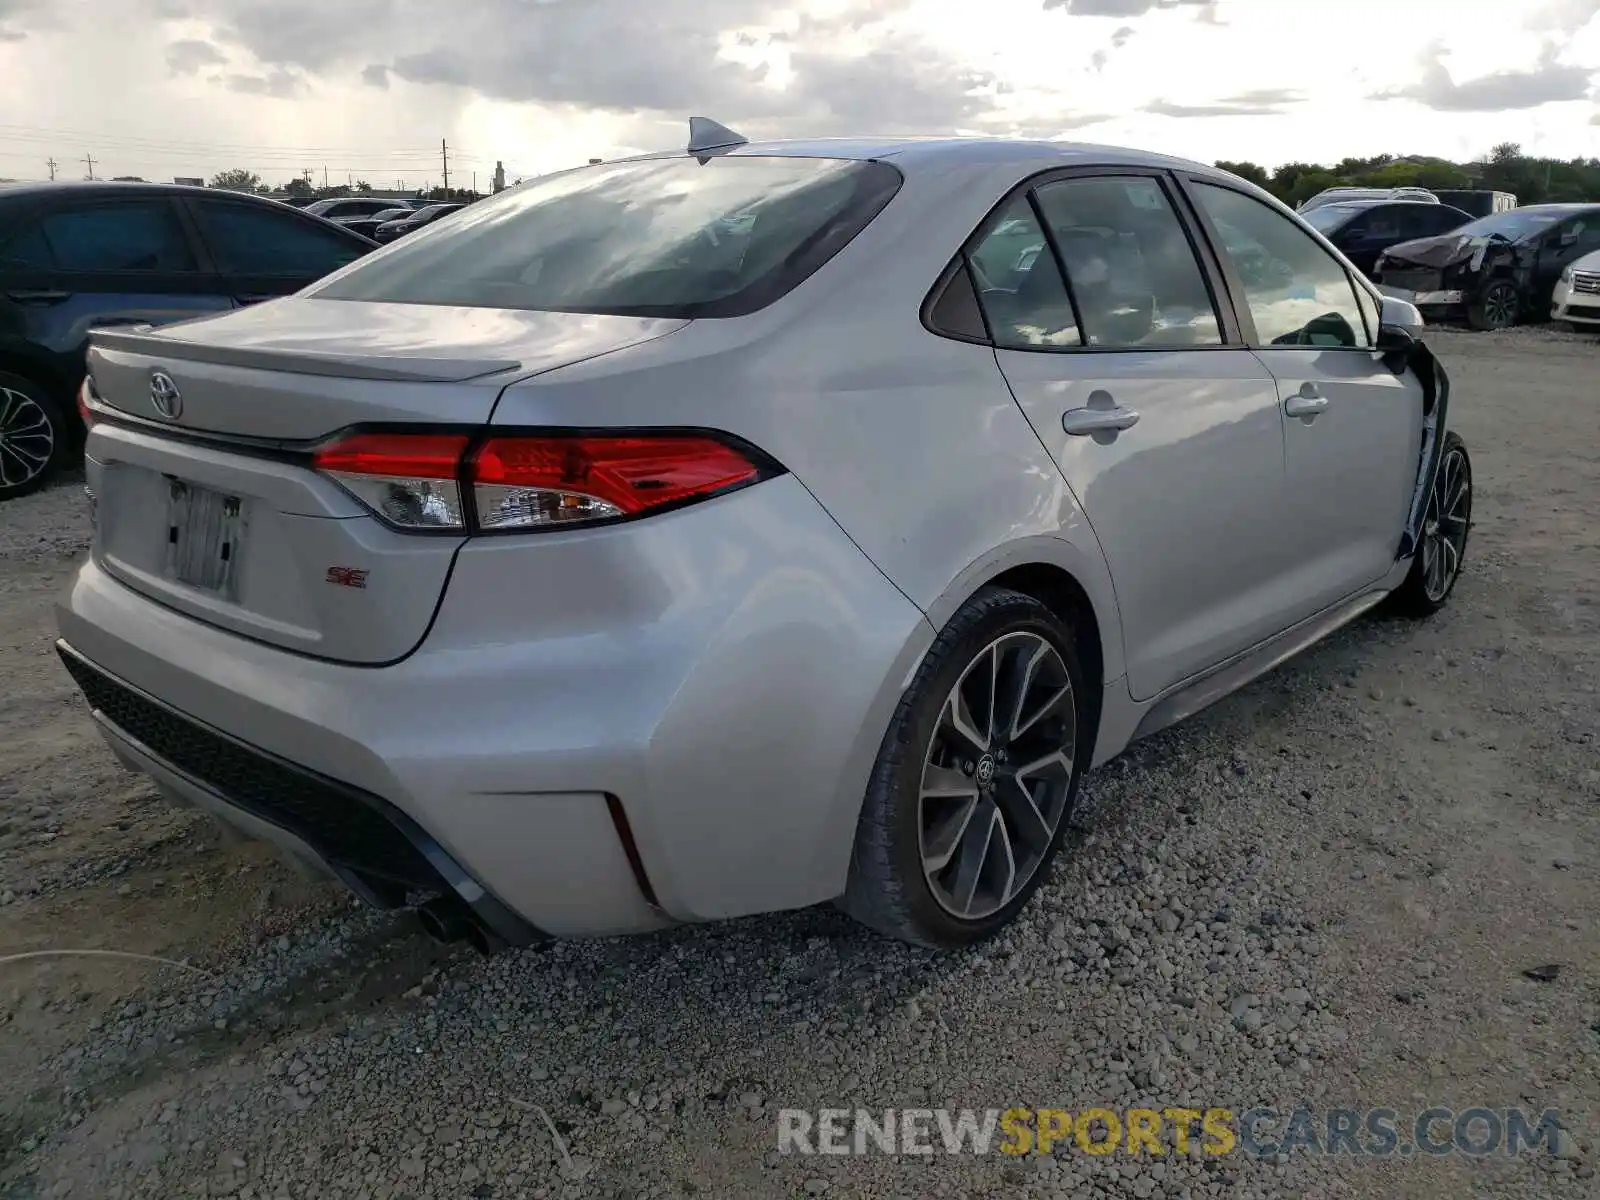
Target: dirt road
1328 888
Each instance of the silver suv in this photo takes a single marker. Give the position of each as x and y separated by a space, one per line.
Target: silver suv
727 531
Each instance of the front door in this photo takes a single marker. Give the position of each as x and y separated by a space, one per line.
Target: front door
1165 426
1352 427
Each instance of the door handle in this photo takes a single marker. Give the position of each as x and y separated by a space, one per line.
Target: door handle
38 296
1306 404
1102 418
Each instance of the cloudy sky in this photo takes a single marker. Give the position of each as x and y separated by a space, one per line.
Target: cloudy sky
367 88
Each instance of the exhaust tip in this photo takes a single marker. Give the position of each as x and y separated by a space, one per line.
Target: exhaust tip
448 920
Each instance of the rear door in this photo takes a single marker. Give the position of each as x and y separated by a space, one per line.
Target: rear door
71 267
1352 427
266 252
1372 232
1163 423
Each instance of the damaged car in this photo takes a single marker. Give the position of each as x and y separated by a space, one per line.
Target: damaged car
1494 271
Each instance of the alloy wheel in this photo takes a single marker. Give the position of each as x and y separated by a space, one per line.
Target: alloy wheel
1444 530
27 439
997 775
1500 305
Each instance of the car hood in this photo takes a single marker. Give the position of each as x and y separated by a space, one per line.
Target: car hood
1446 250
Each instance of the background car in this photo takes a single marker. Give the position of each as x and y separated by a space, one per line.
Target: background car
342 208
1576 299
1364 229
390 230
1494 271
1339 195
712 534
367 226
76 257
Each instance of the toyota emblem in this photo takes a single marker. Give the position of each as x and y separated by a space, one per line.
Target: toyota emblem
165 396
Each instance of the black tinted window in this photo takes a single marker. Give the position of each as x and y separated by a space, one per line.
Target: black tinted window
28 248
258 241
136 235
662 237
1020 286
1131 268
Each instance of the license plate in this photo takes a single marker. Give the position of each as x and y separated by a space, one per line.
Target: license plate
204 529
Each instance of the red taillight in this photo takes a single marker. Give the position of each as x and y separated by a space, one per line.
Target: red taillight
408 479
85 413
537 482
530 482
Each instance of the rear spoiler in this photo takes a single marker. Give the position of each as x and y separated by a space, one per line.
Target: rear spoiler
147 341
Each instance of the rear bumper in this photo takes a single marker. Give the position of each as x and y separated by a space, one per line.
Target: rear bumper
718 678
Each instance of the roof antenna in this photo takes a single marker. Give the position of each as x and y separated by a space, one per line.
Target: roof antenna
706 135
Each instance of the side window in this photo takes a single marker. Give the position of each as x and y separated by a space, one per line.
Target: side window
1585 235
135 235
1131 268
27 248
1297 293
1020 286
1442 219
257 241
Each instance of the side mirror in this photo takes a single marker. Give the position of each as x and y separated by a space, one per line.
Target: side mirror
1400 314
1570 237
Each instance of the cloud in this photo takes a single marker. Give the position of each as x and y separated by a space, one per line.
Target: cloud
1120 38
12 27
1261 102
1562 16
1548 82
1124 8
278 84
188 56
860 68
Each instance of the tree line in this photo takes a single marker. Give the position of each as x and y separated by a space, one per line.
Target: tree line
242 180
1504 169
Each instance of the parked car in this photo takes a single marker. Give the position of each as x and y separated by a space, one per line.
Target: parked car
368 226
591 573
1480 203
1494 271
1342 195
390 230
1576 299
343 208
75 257
1363 229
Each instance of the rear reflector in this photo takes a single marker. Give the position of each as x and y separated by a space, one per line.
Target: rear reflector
414 481
85 394
535 482
408 479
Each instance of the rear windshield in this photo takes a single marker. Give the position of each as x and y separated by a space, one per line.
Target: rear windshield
674 237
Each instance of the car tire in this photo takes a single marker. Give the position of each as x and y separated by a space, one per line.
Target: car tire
920 871
1442 546
1495 307
36 436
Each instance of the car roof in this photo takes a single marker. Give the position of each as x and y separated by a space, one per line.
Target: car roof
932 152
113 187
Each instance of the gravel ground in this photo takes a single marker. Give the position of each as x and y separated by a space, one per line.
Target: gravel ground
1325 889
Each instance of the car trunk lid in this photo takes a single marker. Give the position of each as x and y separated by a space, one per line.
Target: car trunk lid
208 500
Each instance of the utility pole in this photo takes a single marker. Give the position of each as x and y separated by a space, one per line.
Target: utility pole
444 154
474 183
51 162
89 158
324 176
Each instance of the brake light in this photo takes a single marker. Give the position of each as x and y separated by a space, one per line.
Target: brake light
85 412
530 482
411 480
538 482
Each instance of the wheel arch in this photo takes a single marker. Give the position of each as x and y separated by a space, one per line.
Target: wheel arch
39 369
1072 582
